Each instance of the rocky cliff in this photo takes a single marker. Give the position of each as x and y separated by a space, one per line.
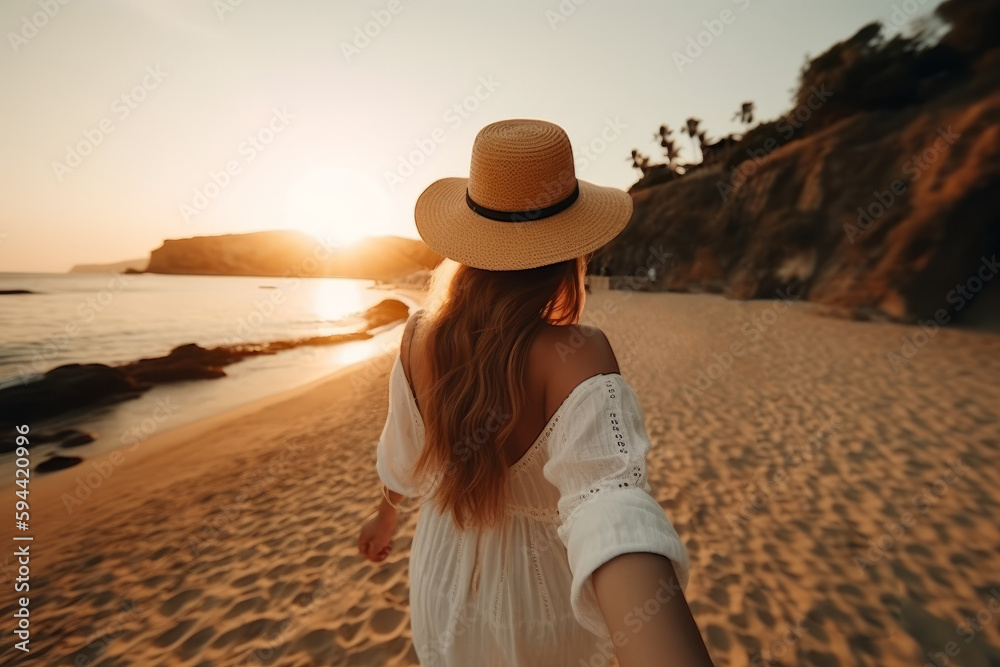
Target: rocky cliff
891 210
289 253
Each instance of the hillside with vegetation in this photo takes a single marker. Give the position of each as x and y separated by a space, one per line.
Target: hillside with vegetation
875 195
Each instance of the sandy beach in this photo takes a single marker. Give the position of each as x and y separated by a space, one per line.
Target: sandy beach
839 507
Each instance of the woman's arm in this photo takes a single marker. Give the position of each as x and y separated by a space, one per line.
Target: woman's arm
647 614
378 529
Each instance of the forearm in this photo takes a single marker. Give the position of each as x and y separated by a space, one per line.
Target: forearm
646 612
385 508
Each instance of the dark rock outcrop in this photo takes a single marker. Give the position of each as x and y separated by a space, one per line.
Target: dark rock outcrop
386 312
76 386
64 389
58 463
185 362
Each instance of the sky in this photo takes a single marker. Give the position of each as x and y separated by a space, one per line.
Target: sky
127 122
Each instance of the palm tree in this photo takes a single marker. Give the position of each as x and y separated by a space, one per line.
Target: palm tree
670 149
745 114
691 129
639 161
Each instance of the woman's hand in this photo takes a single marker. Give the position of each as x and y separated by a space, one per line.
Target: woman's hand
376 535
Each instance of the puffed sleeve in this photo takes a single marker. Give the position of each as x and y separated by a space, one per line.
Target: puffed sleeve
606 507
399 445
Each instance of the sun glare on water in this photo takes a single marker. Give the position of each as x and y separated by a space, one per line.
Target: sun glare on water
337 206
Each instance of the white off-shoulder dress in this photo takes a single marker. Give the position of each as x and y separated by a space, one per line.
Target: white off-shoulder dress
579 497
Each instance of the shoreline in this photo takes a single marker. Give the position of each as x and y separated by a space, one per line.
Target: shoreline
166 446
80 422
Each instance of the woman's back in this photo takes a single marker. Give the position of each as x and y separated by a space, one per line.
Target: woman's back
579 496
560 358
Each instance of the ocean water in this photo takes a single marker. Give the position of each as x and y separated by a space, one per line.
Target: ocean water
117 318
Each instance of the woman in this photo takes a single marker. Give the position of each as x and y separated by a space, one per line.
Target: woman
538 540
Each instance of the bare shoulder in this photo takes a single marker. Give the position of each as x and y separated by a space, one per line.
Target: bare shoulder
407 337
564 356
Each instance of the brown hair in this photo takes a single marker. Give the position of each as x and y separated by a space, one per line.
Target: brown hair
480 325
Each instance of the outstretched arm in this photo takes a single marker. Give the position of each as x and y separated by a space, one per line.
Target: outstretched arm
647 614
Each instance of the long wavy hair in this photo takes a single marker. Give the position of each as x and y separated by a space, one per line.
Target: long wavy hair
479 326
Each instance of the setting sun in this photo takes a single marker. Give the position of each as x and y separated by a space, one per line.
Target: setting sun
336 205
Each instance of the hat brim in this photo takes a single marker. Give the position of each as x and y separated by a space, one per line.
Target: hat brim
451 229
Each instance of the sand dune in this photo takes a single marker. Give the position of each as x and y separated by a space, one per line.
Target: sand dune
809 479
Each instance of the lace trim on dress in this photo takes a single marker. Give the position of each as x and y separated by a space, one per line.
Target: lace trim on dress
634 474
542 588
533 513
528 455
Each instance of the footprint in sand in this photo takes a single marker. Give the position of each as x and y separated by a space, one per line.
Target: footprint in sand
246 580
387 621
283 589
280 570
399 593
247 605
718 638
174 604
380 654
317 644
259 627
193 644
173 634
347 633
317 561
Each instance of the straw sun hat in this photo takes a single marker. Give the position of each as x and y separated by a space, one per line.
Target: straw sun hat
522 205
